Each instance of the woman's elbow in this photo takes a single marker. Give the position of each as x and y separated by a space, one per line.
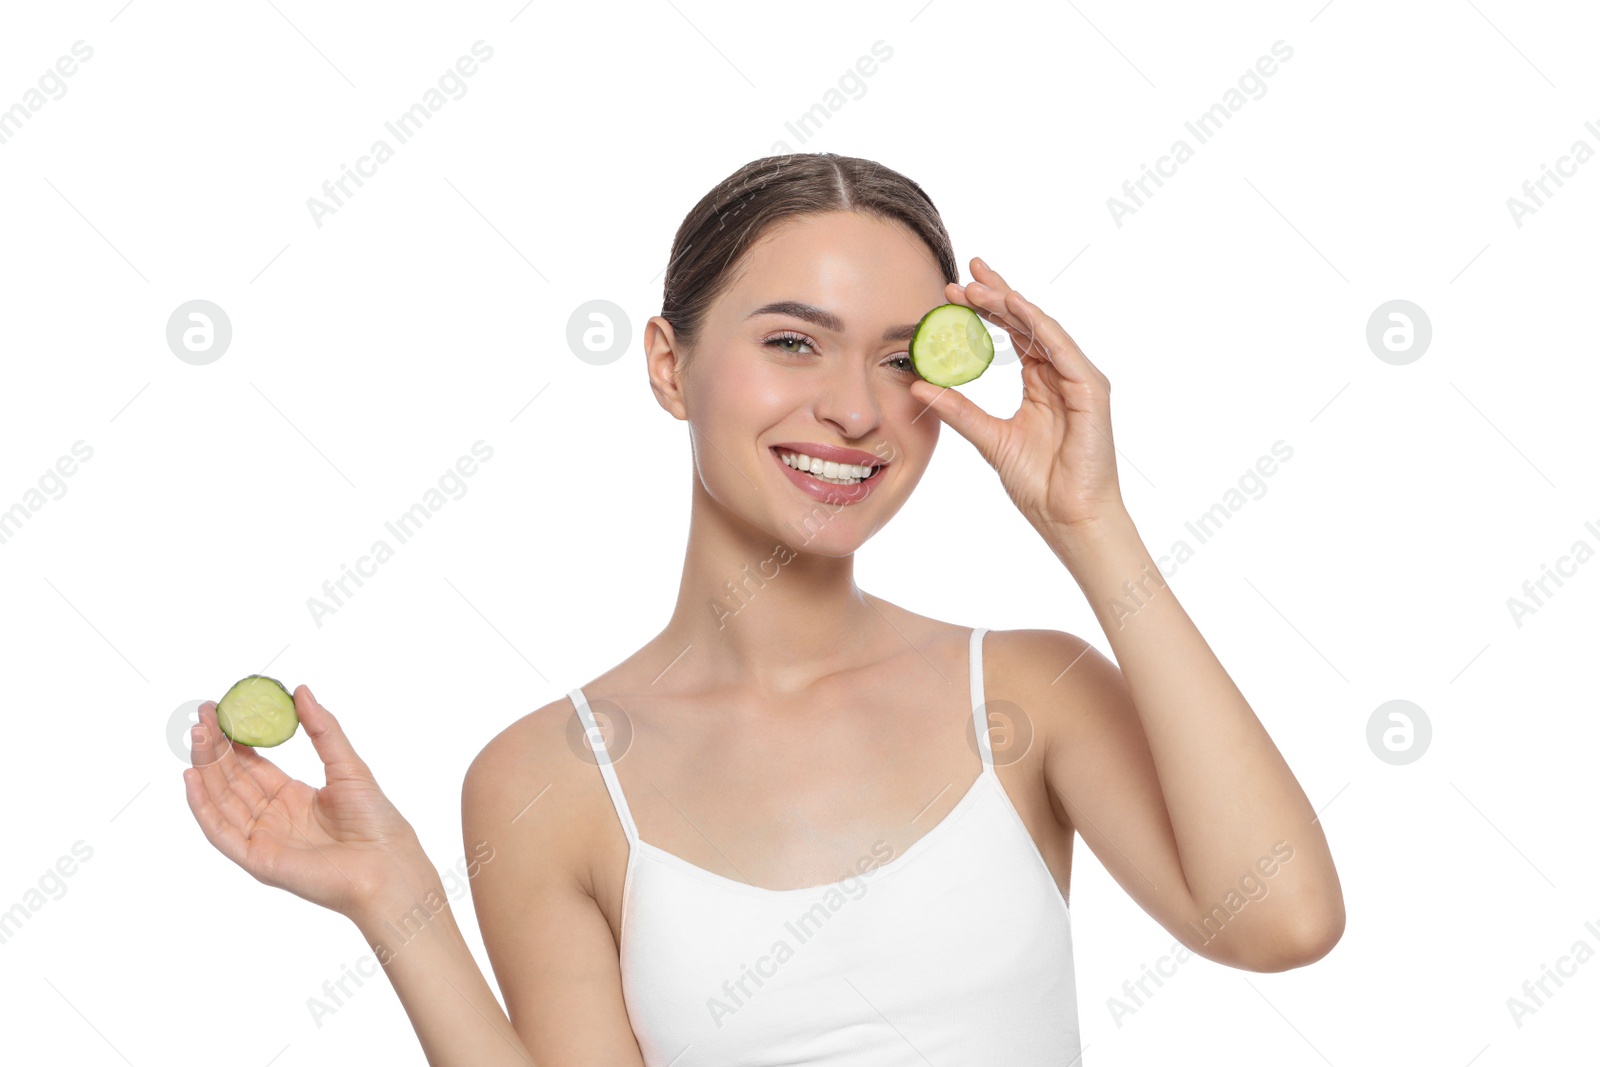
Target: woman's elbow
1305 941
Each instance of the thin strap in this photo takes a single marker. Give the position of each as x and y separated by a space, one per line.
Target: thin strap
597 745
980 716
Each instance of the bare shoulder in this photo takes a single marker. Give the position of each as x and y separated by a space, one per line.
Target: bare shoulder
1064 685
528 787
530 797
1027 660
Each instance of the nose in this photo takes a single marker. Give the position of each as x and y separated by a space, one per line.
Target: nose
847 402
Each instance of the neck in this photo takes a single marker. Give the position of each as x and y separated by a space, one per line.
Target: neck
766 610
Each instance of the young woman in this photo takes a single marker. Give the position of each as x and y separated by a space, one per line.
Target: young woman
787 830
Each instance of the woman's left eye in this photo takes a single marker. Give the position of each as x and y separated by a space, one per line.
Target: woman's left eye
908 368
783 339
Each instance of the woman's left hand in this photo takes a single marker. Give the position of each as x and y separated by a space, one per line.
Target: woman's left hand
1055 455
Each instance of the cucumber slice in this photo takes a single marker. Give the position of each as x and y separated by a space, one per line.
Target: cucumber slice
951 346
258 711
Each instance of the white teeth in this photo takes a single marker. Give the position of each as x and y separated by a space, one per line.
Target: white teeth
826 470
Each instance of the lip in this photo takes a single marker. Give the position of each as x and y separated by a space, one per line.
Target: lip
827 492
834 453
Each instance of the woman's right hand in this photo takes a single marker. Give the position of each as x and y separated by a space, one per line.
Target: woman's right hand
342 846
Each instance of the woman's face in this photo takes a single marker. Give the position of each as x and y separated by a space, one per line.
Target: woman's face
829 369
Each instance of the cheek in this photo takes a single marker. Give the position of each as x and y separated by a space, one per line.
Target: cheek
741 393
917 426
730 406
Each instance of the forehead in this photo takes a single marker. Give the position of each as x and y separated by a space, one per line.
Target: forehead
839 260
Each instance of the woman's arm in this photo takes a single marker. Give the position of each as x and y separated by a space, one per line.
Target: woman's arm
548 941
345 847
1172 780
458 1021
1195 794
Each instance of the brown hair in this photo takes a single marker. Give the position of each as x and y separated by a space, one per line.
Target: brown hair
773 189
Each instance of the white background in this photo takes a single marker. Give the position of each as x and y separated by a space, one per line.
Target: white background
431 311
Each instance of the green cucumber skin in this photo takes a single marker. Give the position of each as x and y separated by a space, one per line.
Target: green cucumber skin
947 384
261 744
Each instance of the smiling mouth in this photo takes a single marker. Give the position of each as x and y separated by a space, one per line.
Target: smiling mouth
817 469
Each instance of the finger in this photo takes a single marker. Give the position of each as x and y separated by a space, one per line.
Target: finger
990 278
1040 348
197 755
219 792
219 830
1062 350
328 738
243 784
991 305
963 416
268 776
989 308
208 748
230 763
987 274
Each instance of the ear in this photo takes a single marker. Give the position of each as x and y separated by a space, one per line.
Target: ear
664 364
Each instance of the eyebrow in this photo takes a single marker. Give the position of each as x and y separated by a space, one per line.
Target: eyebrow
826 319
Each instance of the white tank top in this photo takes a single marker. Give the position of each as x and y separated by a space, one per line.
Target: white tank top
956 952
